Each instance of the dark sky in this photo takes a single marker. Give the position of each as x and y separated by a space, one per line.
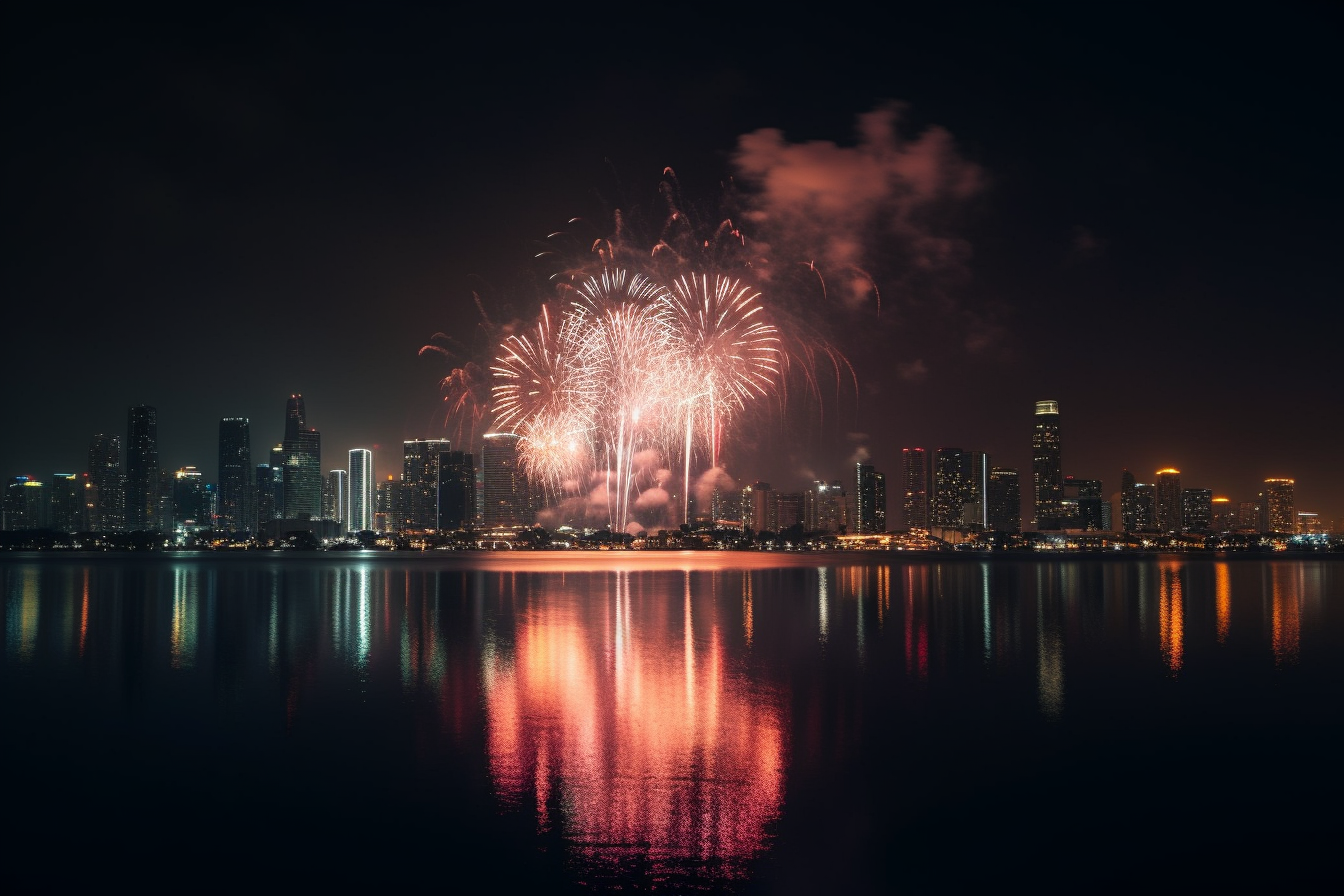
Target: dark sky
1131 212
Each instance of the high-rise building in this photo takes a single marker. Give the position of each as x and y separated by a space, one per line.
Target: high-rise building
1145 507
387 506
823 507
237 477
302 465
457 491
1047 469
363 491
142 469
335 491
269 496
915 488
25 505
1004 497
788 510
420 482
190 500
758 510
951 484
508 494
1169 516
870 500
1224 514
1084 504
975 501
1196 510
107 484
1280 508
1128 507
67 511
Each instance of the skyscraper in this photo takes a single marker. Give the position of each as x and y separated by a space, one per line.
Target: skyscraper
363 491
107 484
191 508
1004 496
1129 510
67 511
508 495
237 477
335 491
915 488
1168 501
303 465
420 482
870 501
1196 509
1047 470
457 491
951 484
1280 506
142 468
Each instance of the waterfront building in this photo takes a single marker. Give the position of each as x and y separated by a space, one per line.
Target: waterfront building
237 490
1223 517
1084 505
870 500
758 510
362 501
915 488
190 504
25 505
1197 510
420 482
1280 507
1145 507
67 512
1168 497
951 487
1004 500
335 491
456 491
823 507
107 484
302 449
788 510
1047 470
142 469
508 494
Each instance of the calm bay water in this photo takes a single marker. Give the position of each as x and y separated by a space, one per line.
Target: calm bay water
673 722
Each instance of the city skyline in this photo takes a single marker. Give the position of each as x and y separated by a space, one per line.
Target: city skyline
966 215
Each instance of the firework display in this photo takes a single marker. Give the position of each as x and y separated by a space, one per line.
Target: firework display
608 393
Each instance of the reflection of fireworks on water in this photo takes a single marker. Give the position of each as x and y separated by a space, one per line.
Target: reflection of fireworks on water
634 374
652 354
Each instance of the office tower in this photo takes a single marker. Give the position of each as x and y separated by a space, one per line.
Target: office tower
1168 505
363 491
1224 515
142 469
66 512
420 482
788 510
267 497
757 508
823 507
1128 507
237 477
1280 508
915 488
975 501
1196 510
107 484
334 493
951 486
508 494
1004 497
1145 507
24 506
870 500
189 500
457 491
387 509
1083 504
303 465
1047 470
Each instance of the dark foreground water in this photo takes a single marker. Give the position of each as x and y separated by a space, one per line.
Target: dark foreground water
678 723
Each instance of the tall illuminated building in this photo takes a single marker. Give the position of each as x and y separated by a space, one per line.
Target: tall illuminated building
302 465
190 500
870 500
507 493
1224 516
1280 506
915 488
237 477
420 482
335 490
823 507
142 469
1197 510
1145 507
107 484
1004 499
1128 502
457 491
1047 470
1168 501
362 502
25 505
758 508
951 477
1084 505
67 510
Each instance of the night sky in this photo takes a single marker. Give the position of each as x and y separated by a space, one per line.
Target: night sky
1132 213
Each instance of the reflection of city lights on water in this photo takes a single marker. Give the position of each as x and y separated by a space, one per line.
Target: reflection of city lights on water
651 748
1171 614
1286 622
